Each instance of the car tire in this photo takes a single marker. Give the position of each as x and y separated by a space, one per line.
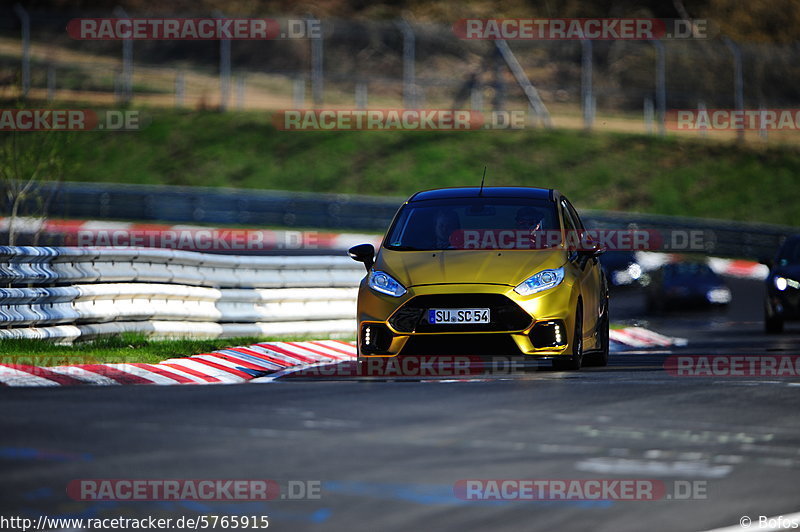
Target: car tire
599 358
773 324
573 363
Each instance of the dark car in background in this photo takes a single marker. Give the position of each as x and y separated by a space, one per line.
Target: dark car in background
621 268
783 286
686 286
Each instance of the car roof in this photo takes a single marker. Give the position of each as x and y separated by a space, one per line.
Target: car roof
488 192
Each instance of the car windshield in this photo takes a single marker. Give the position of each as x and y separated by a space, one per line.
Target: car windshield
790 253
689 270
475 223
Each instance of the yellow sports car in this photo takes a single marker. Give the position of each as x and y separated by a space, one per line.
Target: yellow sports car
485 271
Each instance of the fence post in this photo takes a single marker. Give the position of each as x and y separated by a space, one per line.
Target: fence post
409 72
299 93
25 20
587 99
51 82
763 132
224 69
180 88
738 80
701 108
661 85
317 72
126 79
361 95
499 86
524 83
240 86
648 115
476 98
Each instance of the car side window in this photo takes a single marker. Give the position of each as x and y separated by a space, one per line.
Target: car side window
569 223
570 230
577 219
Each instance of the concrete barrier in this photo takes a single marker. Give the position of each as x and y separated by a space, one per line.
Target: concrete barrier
71 293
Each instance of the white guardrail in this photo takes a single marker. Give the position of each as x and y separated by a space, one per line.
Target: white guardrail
69 293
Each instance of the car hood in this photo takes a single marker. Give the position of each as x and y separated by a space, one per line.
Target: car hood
415 268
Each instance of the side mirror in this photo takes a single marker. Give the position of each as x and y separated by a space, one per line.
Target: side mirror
363 253
592 252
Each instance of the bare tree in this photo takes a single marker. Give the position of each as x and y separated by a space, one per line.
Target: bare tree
26 160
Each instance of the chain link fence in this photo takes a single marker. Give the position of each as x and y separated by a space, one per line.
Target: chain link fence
394 64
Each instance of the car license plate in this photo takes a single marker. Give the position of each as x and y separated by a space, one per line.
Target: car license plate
458 315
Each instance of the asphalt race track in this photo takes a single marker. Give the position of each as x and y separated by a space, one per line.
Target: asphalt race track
388 454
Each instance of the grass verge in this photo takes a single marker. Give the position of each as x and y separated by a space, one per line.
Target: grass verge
127 347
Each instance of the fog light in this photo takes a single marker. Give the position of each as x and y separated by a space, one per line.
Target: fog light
367 335
547 334
375 338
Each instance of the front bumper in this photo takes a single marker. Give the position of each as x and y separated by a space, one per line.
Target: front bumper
540 325
784 304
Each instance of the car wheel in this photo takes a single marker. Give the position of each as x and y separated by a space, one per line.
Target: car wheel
573 363
600 357
773 324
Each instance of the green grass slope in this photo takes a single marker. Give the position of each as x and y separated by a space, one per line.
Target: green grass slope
672 175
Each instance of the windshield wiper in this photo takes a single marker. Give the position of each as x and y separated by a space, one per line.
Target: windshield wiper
403 248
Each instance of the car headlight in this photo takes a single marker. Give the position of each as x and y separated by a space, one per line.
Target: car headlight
721 295
635 271
781 283
385 284
543 280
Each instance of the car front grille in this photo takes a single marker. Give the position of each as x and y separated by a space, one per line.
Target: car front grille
505 315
